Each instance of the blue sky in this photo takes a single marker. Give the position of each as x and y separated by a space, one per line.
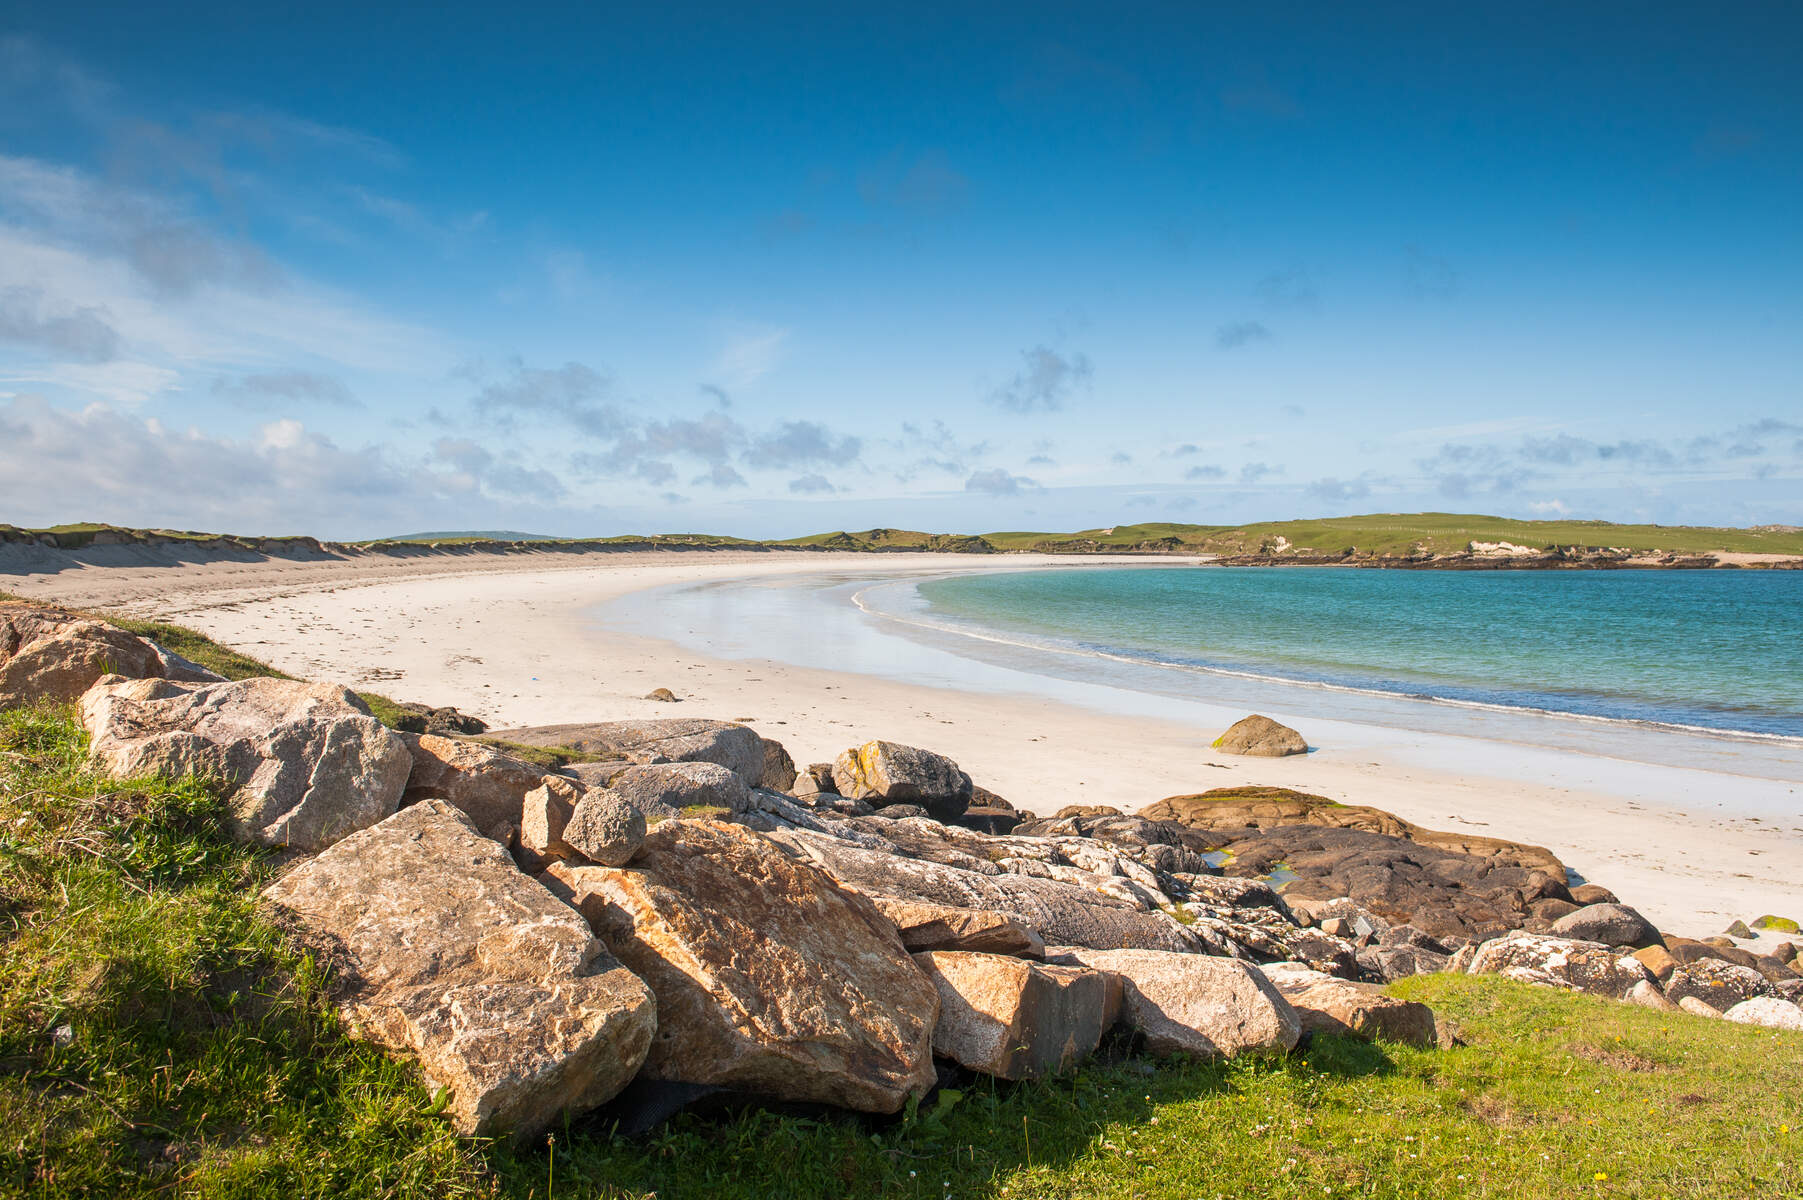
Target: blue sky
777 271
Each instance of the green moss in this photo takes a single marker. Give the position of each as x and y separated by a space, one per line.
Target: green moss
1776 924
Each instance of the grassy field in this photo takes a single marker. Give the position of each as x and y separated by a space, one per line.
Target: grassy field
158 1039
1392 534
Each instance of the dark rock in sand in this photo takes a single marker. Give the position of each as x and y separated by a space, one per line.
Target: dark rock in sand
443 722
662 696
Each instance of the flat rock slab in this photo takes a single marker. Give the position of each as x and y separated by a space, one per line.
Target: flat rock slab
305 763
1346 1009
449 952
1194 1004
940 927
769 977
683 739
1015 1019
1566 963
665 789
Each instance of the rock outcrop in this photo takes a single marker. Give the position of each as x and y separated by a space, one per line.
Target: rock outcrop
304 763
1193 1003
738 748
938 927
1562 963
446 951
1260 737
769 977
1011 1018
886 773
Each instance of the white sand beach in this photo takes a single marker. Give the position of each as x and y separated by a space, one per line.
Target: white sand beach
525 639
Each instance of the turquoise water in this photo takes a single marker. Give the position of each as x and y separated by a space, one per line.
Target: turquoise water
1719 650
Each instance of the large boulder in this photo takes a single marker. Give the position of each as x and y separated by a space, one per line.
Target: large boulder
779 768
1719 985
666 789
1339 1006
769 977
485 784
1769 1011
1260 737
940 927
1011 1018
886 773
1610 924
738 748
1565 963
55 656
304 763
1194 1004
604 828
446 951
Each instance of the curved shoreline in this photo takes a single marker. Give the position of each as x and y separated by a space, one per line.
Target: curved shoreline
516 643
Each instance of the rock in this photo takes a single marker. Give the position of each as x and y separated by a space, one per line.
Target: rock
769 977
1739 930
1658 960
940 927
1720 985
1785 952
1775 969
666 789
1610 924
1243 811
594 774
1058 912
989 820
1772 924
1323 952
1552 909
1261 737
450 953
1593 893
820 776
1686 951
662 695
1648 995
1390 963
1567 963
544 815
779 768
606 829
738 748
53 656
444 722
1011 1018
1337 1006
1697 1008
485 784
304 764
903 812
1769 1011
886 773
1461 960
1195 1004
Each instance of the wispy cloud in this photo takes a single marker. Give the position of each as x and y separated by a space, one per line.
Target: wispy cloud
285 387
997 482
1240 333
1045 382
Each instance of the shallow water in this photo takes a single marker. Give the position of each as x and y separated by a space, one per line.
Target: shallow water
1717 650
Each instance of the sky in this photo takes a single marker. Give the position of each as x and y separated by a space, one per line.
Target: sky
775 270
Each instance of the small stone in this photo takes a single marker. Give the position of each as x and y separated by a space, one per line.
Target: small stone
662 695
1738 930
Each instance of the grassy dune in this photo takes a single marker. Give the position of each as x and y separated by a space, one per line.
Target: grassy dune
158 1039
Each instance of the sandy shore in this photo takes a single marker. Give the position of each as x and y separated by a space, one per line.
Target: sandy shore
513 639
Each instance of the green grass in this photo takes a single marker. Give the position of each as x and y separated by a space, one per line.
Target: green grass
157 1038
196 647
202 1059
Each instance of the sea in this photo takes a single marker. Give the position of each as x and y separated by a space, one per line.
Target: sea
1682 668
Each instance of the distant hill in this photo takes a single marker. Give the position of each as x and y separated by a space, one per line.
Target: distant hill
471 535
